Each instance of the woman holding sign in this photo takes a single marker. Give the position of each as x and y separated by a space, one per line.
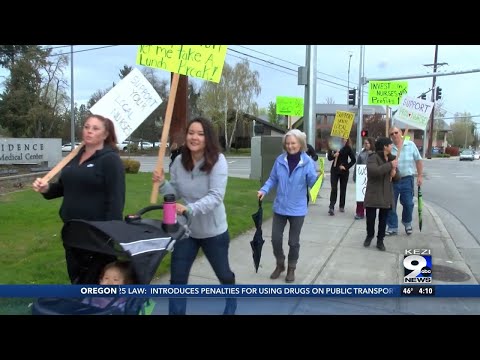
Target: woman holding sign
381 167
92 185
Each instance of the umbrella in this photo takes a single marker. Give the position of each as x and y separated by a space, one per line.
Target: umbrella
257 242
420 207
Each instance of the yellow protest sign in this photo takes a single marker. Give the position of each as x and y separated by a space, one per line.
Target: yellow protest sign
292 106
342 124
200 61
386 92
318 184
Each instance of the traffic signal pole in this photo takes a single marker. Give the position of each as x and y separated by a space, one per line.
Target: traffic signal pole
430 135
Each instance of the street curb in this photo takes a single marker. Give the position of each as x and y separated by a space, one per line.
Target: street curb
450 243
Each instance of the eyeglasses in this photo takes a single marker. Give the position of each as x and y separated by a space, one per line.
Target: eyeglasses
395 132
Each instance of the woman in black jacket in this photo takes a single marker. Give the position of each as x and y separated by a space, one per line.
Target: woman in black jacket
340 172
92 185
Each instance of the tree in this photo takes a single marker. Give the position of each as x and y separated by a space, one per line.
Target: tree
192 97
125 71
273 117
463 129
329 100
10 53
234 95
34 97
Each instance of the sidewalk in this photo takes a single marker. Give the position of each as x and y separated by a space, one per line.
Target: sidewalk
332 252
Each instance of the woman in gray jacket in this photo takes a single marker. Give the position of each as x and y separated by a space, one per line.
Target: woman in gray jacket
381 169
199 177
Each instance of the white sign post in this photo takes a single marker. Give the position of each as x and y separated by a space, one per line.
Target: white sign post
414 112
361 182
128 104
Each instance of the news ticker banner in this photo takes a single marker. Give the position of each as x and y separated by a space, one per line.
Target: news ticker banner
238 291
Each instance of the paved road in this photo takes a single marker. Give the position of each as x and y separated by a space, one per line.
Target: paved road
454 186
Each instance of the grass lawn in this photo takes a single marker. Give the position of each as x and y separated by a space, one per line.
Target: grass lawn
31 245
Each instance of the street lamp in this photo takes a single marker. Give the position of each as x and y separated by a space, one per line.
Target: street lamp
348 79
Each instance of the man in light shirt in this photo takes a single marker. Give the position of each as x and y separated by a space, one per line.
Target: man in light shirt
409 163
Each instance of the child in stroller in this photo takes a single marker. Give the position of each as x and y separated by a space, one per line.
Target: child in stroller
138 244
114 273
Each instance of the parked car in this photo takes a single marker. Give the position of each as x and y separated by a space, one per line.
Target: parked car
123 146
145 145
68 146
467 155
476 155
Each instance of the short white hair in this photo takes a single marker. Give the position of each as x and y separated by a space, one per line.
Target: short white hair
299 135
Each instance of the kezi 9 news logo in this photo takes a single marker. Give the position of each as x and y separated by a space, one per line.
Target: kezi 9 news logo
417 264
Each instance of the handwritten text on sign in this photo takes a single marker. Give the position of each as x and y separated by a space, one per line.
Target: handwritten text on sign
361 182
414 112
128 104
342 124
292 106
200 61
386 92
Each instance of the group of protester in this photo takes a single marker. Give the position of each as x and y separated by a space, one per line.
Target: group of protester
92 185
391 166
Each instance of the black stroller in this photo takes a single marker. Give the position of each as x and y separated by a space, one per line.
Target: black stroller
143 242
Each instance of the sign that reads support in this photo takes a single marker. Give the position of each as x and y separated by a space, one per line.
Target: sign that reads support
292 106
200 61
386 92
128 104
414 112
342 124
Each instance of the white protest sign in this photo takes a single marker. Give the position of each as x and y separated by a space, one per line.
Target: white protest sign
128 104
361 182
414 112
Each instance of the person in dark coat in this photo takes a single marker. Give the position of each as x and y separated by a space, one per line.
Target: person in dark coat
92 185
381 171
340 172
362 158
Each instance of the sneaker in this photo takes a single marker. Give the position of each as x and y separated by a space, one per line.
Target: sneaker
391 233
408 230
330 212
342 210
358 217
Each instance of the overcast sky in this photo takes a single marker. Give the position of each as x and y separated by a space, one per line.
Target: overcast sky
96 67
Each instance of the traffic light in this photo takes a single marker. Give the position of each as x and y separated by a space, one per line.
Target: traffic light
438 93
351 97
364 133
423 96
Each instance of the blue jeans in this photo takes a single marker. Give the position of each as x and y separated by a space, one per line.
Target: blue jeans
184 253
404 188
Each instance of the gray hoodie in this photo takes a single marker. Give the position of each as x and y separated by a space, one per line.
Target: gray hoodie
203 193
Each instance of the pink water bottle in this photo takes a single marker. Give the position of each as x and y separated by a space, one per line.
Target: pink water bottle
169 213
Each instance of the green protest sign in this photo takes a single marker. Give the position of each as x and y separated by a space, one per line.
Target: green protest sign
386 92
292 106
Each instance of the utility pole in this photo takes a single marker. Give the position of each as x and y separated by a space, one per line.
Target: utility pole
310 99
434 90
72 102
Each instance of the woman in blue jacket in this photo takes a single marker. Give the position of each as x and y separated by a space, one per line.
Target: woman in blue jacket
292 174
